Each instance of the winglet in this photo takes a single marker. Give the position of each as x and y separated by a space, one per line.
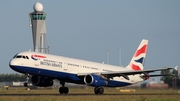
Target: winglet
176 68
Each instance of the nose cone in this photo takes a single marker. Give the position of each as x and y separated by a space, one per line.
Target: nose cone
13 64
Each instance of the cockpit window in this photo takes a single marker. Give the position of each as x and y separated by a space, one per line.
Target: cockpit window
24 57
21 56
27 57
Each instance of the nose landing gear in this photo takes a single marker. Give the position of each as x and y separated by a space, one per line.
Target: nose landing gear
27 80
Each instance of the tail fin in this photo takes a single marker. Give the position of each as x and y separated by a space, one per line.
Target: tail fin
137 61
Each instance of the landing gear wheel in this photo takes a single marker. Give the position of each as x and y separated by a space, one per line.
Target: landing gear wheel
101 90
63 90
98 90
25 84
66 90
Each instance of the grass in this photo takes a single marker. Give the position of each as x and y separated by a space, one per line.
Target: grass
111 94
91 98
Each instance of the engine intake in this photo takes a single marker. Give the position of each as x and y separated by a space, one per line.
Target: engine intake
95 80
41 81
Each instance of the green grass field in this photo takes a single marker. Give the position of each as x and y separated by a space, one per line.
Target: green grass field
88 95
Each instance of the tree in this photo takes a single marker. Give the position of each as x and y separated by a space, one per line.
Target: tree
12 77
172 80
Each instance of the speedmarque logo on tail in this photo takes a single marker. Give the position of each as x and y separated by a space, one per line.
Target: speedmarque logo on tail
140 60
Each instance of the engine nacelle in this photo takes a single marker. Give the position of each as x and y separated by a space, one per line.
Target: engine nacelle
41 81
95 80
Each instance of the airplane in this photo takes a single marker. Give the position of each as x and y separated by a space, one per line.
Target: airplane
44 68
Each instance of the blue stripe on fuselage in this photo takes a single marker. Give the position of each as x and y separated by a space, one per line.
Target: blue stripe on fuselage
67 77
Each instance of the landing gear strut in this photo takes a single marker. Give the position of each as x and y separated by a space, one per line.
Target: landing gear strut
27 80
63 89
98 90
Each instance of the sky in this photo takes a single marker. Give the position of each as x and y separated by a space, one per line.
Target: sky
86 29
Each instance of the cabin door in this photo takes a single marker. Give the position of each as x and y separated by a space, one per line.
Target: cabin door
65 65
36 62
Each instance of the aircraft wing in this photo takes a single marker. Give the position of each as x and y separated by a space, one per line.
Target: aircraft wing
126 73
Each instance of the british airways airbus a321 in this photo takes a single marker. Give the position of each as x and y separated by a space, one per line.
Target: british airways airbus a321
44 68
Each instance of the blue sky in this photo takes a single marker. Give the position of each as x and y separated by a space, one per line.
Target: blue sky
86 29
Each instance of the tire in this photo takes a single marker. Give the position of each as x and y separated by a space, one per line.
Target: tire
96 91
25 84
66 90
61 90
101 90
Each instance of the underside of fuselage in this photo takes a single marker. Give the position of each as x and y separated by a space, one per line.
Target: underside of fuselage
62 76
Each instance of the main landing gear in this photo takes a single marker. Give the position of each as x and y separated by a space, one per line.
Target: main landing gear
63 90
98 90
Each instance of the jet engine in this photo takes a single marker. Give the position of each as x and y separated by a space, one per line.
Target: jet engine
41 81
95 80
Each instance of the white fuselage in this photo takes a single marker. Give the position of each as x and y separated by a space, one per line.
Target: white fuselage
66 69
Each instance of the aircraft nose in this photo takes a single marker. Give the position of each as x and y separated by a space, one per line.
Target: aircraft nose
13 62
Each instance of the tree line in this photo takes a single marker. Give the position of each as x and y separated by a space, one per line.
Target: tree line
172 78
12 77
